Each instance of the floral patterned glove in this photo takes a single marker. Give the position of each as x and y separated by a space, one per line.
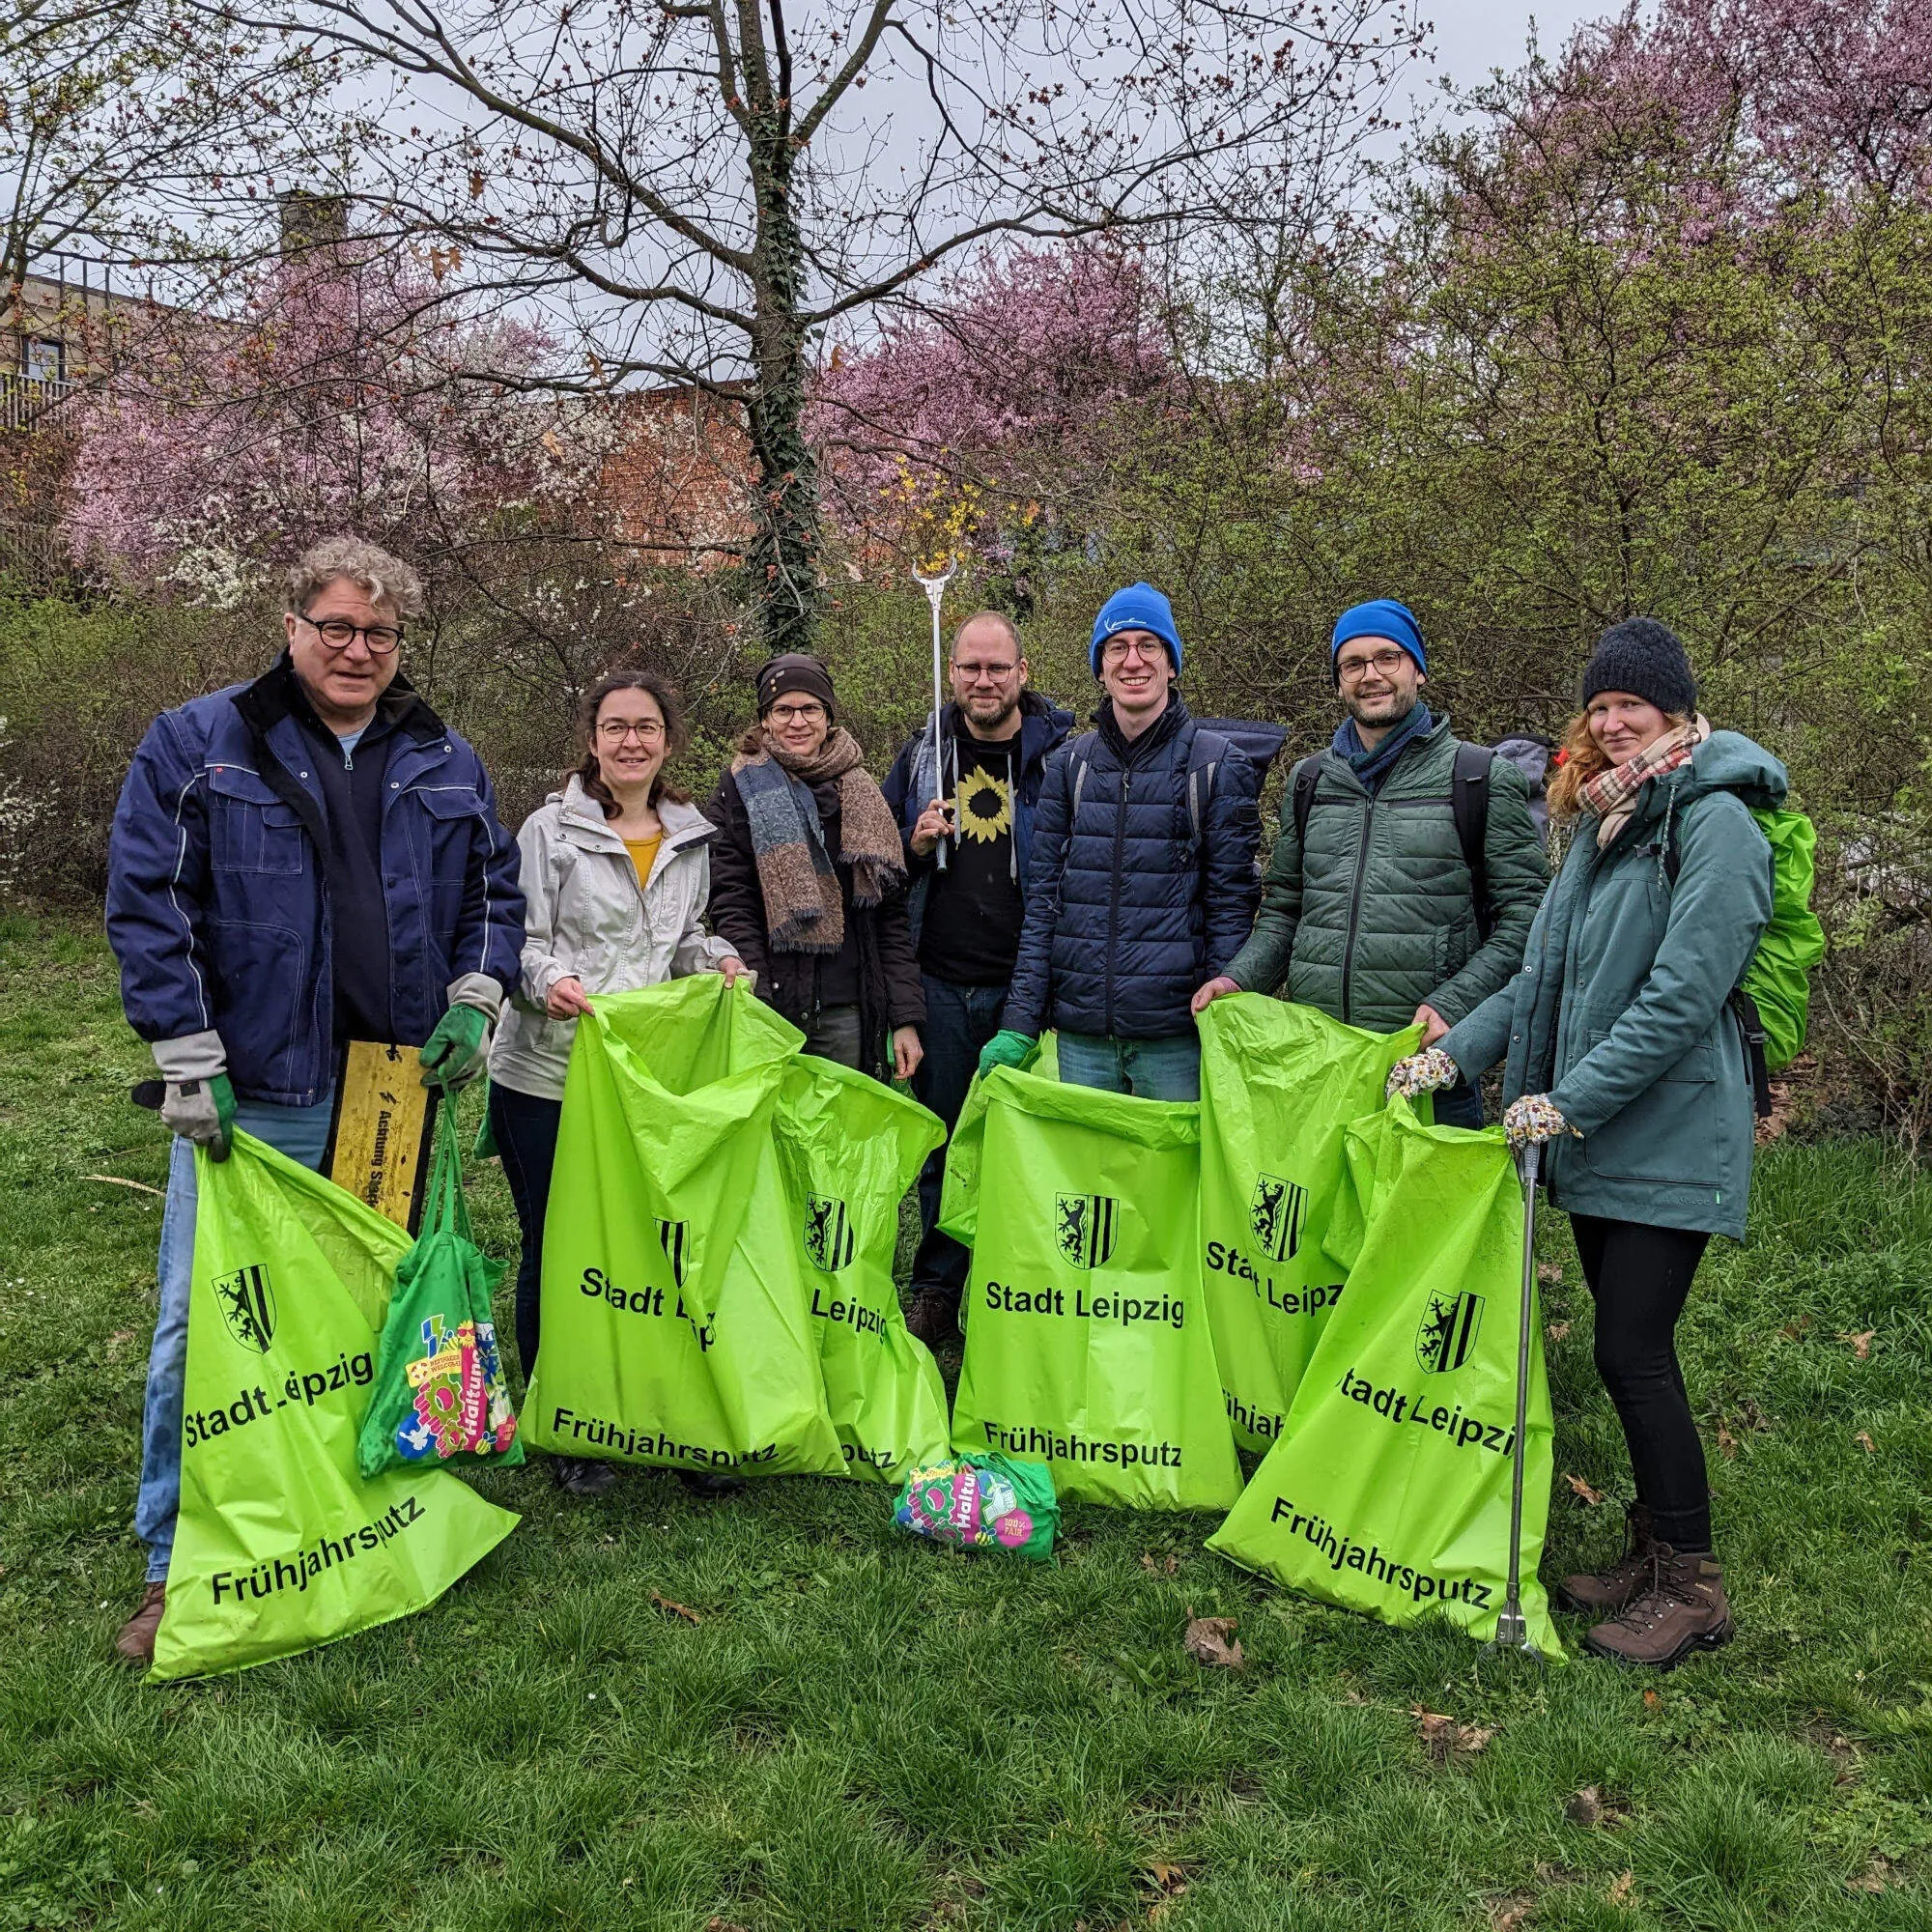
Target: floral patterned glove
1421 1073
1533 1120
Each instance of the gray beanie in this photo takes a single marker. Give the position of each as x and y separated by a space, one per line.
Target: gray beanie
1646 658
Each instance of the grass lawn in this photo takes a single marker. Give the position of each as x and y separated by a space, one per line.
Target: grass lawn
866 1732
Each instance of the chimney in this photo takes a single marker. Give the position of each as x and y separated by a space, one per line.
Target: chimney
311 220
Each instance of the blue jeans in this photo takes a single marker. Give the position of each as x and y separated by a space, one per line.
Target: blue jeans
302 1134
959 1021
1154 1070
1459 1106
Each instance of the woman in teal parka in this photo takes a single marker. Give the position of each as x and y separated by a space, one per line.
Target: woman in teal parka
1623 1054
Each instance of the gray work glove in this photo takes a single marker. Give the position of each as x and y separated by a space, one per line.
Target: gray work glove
197 1100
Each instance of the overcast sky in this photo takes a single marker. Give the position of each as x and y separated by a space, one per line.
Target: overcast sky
1473 35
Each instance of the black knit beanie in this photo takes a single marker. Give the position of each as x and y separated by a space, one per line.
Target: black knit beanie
1646 658
795 671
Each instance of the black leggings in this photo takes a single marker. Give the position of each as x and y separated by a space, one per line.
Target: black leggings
524 1125
1639 1277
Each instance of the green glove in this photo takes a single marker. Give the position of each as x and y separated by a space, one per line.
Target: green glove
455 1051
1005 1048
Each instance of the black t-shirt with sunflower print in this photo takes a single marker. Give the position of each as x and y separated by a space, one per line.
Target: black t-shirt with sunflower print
970 934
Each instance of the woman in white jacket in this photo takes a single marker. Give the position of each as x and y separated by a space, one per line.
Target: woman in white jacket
616 871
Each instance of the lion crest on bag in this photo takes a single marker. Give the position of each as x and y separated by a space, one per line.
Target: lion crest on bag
246 1299
1085 1225
1275 1215
828 1234
1448 1330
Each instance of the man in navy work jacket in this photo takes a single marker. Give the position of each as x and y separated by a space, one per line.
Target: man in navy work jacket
1144 882
974 795
296 862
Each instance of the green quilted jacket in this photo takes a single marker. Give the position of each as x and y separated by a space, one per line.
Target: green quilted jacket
1378 914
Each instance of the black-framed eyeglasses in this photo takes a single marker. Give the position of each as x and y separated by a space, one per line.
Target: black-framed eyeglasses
1385 664
337 633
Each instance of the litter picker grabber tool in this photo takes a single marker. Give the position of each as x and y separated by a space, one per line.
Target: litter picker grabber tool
935 591
1511 1630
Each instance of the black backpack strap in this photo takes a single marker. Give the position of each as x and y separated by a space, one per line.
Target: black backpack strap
1079 756
1470 804
1306 776
1204 759
1743 1008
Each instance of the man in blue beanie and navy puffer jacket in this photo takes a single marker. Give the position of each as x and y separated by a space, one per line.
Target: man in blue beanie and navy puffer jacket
1144 880
1389 903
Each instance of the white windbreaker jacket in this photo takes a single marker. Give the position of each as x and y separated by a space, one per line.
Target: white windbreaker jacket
588 918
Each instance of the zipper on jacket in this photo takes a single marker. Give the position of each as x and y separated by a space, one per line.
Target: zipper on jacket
1114 891
1354 908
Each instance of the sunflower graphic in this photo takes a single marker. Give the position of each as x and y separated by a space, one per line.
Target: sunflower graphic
985 806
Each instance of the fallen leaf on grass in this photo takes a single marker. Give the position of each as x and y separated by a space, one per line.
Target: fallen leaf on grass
1860 1344
1622 1888
1865 1443
716 1923
1795 1331
1550 1272
1154 1568
1591 1496
1728 1444
1446 1737
1650 1700
1510 1915
676 1610
1211 1640
1589 1806
1165 1877
1557 1332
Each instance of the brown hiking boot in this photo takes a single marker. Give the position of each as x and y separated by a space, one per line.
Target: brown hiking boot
136 1641
1680 1608
933 1318
1603 1593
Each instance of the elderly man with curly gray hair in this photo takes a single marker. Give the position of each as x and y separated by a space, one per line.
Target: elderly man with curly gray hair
296 862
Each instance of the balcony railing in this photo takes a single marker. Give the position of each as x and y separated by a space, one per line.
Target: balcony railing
25 399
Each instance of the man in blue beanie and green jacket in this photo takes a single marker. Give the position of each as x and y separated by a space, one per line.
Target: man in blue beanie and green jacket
1387 901
1142 880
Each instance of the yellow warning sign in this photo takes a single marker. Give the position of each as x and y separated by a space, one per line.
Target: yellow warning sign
382 1127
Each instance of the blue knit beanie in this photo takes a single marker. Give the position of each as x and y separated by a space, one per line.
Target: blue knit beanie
1380 617
1140 606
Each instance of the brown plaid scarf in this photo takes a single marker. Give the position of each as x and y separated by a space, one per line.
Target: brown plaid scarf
1612 794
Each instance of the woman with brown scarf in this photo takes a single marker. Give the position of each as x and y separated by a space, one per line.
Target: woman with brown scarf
808 877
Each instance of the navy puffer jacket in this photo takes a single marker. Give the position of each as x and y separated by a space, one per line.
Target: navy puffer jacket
1126 911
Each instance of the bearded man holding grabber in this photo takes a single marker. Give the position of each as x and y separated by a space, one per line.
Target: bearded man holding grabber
970 788
296 863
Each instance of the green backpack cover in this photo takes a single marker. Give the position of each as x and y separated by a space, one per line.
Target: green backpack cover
674 1325
441 1390
1279 1083
849 1148
1778 977
1389 1491
282 1543
1087 1343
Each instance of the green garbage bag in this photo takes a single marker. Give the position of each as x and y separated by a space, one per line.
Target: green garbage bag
1389 1491
1086 1344
675 1324
282 1543
441 1390
1279 1083
849 1148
